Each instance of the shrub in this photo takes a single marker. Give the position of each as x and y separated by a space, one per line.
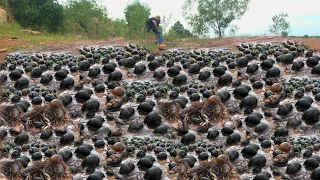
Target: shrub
136 15
280 25
38 14
85 17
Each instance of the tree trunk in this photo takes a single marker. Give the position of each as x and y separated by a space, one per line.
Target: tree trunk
84 26
219 30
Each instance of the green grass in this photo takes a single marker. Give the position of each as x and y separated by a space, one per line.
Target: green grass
27 40
8 31
150 46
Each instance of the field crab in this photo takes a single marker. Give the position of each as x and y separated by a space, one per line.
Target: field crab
52 169
56 113
182 170
219 168
36 118
51 114
204 113
12 170
11 115
170 110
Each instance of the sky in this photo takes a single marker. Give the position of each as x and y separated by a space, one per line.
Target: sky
304 16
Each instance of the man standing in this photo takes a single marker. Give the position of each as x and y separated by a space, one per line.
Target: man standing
153 24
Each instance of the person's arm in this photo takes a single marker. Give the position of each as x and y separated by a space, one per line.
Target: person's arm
155 24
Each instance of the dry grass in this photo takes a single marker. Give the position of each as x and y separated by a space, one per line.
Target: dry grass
313 43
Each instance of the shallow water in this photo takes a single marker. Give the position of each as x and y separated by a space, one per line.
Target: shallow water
129 77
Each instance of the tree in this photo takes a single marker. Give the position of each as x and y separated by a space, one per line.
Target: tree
85 16
233 30
214 14
4 3
38 14
280 25
179 29
136 15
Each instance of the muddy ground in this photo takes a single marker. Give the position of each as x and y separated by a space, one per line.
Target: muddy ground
226 43
231 43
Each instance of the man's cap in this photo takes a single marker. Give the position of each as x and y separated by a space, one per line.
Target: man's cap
158 17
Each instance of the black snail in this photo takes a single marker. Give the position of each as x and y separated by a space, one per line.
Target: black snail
128 113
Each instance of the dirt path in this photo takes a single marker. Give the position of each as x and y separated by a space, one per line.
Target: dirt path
229 43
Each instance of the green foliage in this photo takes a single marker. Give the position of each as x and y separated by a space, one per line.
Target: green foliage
85 17
233 30
81 17
4 3
9 30
171 35
280 25
177 31
214 14
116 28
178 28
38 14
136 15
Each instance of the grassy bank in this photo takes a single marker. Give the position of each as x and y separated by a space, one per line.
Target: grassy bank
14 31
31 41
14 38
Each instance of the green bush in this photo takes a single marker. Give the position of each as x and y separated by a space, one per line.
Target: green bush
177 31
182 32
38 14
117 28
284 34
280 25
4 3
85 17
136 15
171 35
80 17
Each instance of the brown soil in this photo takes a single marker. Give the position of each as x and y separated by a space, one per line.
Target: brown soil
5 44
229 43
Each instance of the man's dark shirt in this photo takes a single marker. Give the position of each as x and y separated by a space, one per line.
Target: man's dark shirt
151 26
